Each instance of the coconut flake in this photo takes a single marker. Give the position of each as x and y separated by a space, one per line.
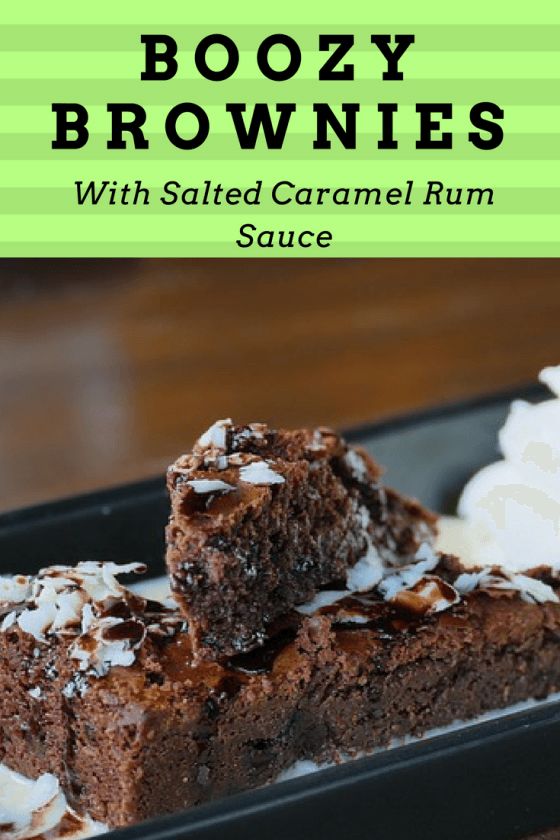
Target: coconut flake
204 486
354 618
8 621
56 597
370 568
531 590
36 622
367 572
99 579
429 595
215 436
79 601
27 805
254 431
408 576
106 652
260 473
33 808
357 465
88 618
322 599
412 587
15 590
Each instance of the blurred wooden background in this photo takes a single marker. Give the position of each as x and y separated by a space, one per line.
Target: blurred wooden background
110 368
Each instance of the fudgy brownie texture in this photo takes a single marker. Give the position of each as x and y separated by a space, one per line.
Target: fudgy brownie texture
133 726
261 520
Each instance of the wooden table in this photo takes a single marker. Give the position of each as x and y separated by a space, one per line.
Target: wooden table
109 369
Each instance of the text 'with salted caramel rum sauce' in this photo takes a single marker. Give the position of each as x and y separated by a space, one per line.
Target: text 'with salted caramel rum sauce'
282 193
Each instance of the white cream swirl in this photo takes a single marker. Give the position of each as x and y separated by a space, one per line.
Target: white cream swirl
510 510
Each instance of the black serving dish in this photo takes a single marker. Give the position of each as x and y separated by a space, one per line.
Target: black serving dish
497 779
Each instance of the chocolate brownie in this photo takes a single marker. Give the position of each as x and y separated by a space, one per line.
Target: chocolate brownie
261 520
101 688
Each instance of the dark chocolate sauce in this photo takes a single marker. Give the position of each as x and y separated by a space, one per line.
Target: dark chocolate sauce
117 609
131 630
261 660
373 614
229 686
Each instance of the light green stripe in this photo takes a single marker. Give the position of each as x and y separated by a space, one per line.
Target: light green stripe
223 12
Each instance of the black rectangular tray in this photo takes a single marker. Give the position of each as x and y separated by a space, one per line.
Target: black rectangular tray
497 779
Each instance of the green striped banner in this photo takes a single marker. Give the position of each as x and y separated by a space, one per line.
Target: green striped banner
478 52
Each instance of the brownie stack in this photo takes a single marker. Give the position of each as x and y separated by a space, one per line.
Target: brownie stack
263 520
313 620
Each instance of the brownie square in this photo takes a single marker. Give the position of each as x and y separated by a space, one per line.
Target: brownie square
162 730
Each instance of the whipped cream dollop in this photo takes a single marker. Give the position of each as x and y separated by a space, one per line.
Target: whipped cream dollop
31 808
509 512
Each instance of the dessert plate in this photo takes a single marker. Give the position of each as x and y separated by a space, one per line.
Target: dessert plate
493 779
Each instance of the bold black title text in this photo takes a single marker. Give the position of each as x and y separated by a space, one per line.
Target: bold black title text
187 125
